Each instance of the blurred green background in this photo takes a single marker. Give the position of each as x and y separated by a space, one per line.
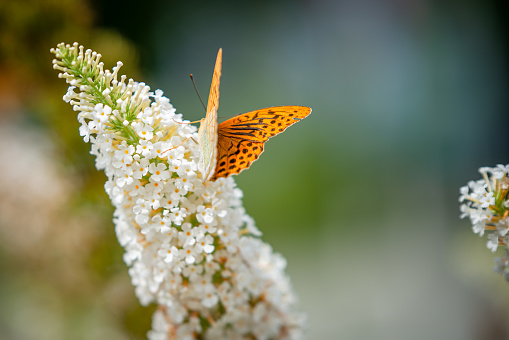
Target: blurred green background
409 99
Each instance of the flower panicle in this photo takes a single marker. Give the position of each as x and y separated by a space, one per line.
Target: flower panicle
486 203
190 246
83 70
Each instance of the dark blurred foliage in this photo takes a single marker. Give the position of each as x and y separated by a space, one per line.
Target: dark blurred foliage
70 256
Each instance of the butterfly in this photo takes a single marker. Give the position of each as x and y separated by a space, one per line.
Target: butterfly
232 146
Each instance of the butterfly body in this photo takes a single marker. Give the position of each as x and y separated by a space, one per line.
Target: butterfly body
233 145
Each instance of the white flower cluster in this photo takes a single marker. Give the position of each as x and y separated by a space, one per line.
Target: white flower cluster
486 203
190 246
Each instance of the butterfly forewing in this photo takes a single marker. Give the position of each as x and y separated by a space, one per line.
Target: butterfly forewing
213 101
241 138
207 133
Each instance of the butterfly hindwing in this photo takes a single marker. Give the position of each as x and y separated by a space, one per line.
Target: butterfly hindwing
235 155
241 138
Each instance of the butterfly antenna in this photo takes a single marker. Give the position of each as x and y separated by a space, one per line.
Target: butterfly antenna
198 93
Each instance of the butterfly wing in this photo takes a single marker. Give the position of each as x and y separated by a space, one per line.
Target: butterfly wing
207 133
235 155
241 138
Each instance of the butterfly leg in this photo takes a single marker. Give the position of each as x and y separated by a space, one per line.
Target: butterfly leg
176 146
185 123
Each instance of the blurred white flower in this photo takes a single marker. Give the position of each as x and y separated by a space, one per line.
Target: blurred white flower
485 202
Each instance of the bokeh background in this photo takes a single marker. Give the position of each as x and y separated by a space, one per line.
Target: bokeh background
409 98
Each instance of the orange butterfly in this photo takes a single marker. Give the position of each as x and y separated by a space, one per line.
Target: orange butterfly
230 147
